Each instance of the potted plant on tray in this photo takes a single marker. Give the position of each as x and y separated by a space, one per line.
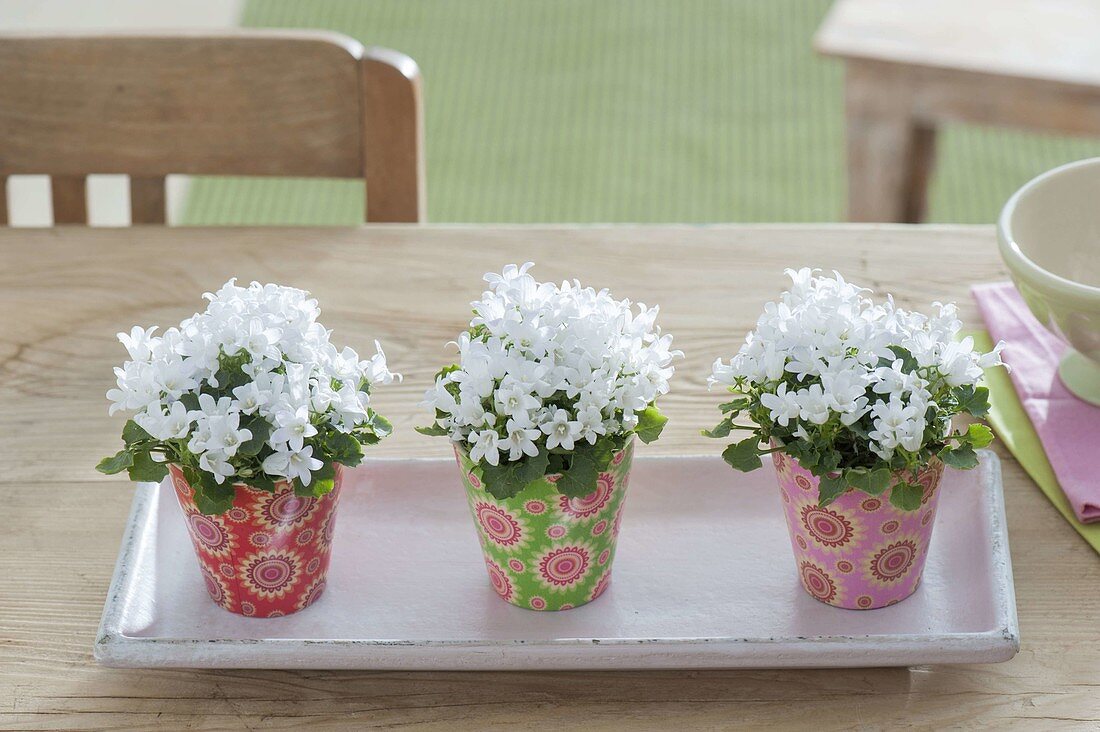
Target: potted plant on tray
552 385
253 413
854 403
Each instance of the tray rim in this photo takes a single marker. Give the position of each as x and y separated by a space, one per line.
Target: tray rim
113 648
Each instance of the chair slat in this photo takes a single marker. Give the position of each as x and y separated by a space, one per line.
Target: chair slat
70 199
393 137
239 103
148 200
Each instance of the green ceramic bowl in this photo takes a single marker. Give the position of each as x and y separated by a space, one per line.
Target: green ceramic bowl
1049 236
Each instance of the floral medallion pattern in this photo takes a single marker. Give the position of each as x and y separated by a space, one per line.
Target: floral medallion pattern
546 551
499 526
268 555
860 551
828 528
211 534
271 574
817 581
588 506
281 511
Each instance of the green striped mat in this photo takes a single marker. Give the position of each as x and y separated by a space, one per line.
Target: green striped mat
621 111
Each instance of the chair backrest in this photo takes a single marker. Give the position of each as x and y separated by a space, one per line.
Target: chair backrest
266 103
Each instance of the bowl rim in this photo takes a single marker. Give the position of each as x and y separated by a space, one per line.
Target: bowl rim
1010 249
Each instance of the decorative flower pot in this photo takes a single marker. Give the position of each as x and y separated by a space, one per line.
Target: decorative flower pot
544 550
859 552
268 555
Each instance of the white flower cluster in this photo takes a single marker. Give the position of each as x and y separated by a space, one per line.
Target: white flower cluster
549 365
296 380
824 352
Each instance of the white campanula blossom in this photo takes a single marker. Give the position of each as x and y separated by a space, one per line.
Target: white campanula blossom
545 366
256 363
825 353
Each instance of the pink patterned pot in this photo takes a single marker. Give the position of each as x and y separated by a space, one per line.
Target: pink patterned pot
859 552
268 555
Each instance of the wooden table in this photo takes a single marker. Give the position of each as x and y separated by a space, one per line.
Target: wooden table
65 292
1031 64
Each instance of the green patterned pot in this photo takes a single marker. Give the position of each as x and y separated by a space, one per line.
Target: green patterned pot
543 550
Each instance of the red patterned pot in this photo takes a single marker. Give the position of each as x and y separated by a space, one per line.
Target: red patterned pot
268 555
859 552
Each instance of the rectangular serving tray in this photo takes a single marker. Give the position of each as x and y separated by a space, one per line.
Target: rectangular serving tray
704 578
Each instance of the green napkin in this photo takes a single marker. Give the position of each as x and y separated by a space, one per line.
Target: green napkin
1013 427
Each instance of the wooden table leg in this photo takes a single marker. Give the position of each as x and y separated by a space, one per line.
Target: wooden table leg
890 154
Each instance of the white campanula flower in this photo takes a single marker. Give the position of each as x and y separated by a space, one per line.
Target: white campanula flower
547 367
485 445
293 463
826 354
171 425
294 427
215 462
561 431
519 438
255 364
783 405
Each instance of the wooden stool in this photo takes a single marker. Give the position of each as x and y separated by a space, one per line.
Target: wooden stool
1032 64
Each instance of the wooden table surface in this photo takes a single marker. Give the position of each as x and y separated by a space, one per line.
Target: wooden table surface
1048 40
64 293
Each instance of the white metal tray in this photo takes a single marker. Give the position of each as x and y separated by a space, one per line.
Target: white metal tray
704 578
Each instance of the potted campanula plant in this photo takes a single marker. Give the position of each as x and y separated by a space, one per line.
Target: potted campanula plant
253 413
854 403
552 385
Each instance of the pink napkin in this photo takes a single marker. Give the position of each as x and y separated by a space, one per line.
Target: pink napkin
1068 427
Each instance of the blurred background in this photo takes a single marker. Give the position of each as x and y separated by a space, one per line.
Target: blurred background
578 111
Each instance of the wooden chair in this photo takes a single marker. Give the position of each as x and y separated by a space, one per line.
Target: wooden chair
253 103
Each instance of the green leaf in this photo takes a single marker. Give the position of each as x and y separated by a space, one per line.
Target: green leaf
722 429
509 478
805 452
962 457
212 497
344 449
230 378
830 460
585 464
559 463
906 496
744 455
146 469
830 487
116 464
973 401
979 435
873 482
908 360
735 405
262 482
432 431
322 481
650 424
366 439
132 433
446 370
261 430
380 424
880 481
